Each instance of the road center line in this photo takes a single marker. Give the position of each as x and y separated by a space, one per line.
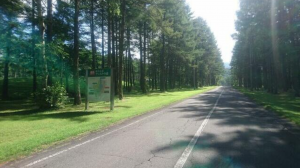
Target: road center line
180 163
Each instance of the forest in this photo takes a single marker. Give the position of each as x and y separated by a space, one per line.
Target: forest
150 44
266 54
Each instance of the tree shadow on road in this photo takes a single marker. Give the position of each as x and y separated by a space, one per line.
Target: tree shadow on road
249 136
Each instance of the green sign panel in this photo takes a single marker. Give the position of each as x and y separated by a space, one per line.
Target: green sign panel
99 73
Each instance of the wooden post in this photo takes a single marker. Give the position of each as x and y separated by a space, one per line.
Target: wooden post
112 90
87 90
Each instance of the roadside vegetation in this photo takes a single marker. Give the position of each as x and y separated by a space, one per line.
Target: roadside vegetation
266 55
26 129
285 104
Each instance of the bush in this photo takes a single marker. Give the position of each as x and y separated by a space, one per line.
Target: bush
52 97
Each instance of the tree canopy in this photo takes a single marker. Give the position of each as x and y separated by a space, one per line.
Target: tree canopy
266 54
150 44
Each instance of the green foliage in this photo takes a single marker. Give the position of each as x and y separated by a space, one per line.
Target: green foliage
226 78
51 97
188 43
266 54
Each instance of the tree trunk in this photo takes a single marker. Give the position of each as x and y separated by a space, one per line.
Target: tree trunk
77 96
121 45
144 90
162 66
117 36
61 70
49 21
34 76
102 32
141 58
5 94
109 35
67 81
49 40
42 41
93 36
5 80
114 56
128 61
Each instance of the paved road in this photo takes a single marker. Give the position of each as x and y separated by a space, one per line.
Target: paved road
221 128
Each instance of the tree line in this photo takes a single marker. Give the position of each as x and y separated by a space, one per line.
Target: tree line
266 54
150 44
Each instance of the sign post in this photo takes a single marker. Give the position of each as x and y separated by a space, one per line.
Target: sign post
99 86
87 90
112 96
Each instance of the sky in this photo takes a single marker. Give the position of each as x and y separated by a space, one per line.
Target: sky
220 16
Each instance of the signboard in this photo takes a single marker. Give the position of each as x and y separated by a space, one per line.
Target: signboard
99 85
99 73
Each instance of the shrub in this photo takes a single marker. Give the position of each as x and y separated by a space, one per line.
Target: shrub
52 97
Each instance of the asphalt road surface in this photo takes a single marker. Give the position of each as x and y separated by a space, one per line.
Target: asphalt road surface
220 128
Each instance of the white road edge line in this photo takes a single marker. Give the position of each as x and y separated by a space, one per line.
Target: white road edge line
88 141
180 163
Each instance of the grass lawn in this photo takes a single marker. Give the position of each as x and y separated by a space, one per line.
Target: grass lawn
283 104
24 129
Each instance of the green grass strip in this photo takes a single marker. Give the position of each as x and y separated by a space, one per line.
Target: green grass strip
285 105
24 131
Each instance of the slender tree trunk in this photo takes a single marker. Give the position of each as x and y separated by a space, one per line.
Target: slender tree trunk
125 68
49 21
67 81
144 59
49 40
5 81
167 63
128 61
275 48
34 75
77 96
113 41
5 94
148 58
156 79
126 65
92 27
42 41
141 58
61 70
251 64
132 75
114 56
162 66
102 32
121 45
109 35
117 36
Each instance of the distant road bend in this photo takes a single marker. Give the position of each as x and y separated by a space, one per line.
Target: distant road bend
220 128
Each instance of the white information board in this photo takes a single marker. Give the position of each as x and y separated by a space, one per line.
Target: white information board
99 88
